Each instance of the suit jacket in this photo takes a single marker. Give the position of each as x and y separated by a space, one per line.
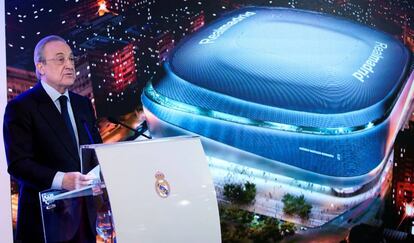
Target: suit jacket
38 144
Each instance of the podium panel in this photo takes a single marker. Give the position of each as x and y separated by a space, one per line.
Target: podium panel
160 190
63 212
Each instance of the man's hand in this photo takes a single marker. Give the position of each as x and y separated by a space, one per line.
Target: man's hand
76 180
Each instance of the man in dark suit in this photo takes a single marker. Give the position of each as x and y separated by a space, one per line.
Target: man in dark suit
43 129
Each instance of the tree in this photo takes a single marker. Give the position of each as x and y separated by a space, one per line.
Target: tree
288 228
296 205
235 224
303 207
267 230
249 193
289 206
236 215
238 225
240 194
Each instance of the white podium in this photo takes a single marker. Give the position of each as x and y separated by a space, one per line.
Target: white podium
160 190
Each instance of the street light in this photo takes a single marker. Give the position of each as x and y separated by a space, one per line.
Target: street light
409 210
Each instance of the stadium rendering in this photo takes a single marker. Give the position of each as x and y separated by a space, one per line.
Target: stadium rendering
292 92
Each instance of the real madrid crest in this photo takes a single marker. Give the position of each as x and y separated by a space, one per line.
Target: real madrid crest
162 187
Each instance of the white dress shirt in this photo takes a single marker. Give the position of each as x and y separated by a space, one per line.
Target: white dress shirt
54 95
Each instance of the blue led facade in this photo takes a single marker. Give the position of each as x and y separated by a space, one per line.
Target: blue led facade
305 89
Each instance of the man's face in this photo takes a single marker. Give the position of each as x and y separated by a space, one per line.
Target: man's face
58 68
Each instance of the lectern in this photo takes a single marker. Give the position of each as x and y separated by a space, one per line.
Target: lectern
159 190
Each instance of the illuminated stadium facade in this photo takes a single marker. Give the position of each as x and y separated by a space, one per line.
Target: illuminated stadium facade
292 92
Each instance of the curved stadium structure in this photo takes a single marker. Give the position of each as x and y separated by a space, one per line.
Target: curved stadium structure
293 92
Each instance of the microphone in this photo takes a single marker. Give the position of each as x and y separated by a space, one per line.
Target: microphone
137 132
85 125
93 161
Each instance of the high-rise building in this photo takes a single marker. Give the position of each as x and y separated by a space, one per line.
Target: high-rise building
120 6
18 81
186 23
109 25
403 174
152 45
112 69
79 12
142 8
408 37
83 82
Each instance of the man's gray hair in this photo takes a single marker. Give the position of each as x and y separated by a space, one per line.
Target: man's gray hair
38 51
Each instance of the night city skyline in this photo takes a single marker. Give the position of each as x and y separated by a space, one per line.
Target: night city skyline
121 45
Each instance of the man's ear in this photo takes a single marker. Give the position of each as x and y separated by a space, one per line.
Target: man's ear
40 68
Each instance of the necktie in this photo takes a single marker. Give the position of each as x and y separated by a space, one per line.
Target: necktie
63 100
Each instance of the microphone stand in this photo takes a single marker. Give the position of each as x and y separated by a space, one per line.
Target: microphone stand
136 131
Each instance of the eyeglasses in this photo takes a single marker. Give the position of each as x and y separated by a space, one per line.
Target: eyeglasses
62 60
